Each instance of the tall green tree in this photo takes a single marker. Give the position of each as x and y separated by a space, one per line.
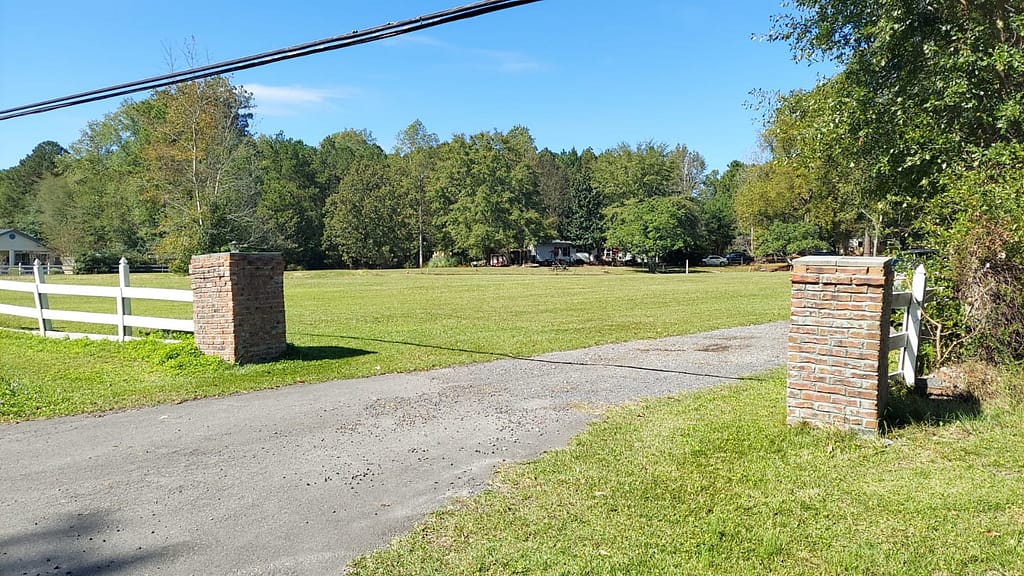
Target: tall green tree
815 174
583 223
484 193
690 169
370 219
60 216
653 227
193 133
640 172
718 207
339 151
108 200
291 203
416 151
18 187
553 189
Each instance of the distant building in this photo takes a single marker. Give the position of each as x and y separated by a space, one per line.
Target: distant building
16 248
553 251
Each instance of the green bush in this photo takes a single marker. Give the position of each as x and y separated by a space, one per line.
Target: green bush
981 270
443 261
988 268
96 262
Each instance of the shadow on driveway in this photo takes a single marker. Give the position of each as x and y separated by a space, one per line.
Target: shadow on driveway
76 545
541 360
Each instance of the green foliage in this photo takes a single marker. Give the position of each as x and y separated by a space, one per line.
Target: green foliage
179 173
988 271
291 204
918 138
18 186
553 188
442 261
160 176
339 151
96 262
646 171
718 207
815 174
583 220
783 238
193 138
648 197
484 192
414 161
654 227
370 221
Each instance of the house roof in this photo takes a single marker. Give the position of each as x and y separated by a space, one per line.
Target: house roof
11 234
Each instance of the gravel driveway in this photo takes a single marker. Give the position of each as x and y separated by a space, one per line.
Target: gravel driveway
300 480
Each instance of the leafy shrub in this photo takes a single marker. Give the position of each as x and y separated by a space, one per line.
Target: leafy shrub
987 263
789 238
96 262
443 261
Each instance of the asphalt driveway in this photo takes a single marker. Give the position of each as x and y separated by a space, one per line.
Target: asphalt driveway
300 480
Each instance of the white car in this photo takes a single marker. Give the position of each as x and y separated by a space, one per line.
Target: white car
714 260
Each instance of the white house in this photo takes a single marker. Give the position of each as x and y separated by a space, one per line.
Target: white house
16 248
547 252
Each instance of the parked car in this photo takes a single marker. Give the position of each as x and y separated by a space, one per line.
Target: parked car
908 260
714 260
739 258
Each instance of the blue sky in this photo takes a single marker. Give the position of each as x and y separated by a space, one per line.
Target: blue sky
577 73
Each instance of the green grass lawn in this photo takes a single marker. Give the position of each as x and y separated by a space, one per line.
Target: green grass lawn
716 483
350 324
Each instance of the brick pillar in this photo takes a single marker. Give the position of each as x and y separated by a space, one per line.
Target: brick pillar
238 305
839 342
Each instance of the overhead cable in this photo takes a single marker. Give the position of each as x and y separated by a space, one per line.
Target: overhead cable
354 38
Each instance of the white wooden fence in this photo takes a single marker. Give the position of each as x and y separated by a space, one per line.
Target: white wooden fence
123 294
21 269
908 339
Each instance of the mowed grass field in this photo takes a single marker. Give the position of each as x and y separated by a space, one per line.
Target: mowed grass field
346 324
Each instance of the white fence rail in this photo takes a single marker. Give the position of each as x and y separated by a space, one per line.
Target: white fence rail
123 294
22 269
908 339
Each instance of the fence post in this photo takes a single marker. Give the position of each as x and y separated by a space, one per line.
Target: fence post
839 342
912 327
124 305
42 302
238 305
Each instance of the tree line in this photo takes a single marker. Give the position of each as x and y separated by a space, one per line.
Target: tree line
918 141
180 173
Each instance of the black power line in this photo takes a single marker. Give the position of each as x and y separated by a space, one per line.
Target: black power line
354 38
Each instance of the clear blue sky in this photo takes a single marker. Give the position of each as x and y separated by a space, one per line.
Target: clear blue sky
577 73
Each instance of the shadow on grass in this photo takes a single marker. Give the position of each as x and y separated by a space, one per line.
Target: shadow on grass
917 406
534 359
313 353
76 544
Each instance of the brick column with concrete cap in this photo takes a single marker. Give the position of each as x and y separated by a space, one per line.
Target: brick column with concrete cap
838 342
238 305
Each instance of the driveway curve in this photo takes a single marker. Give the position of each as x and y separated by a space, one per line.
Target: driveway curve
302 479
